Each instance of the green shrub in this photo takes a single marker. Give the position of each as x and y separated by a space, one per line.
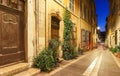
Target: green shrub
44 61
80 51
67 55
75 54
48 58
69 52
110 48
53 46
67 47
118 48
113 50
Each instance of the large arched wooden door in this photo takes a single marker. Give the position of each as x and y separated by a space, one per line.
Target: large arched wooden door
11 34
55 27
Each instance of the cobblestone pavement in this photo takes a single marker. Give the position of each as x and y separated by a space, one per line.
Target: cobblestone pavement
95 63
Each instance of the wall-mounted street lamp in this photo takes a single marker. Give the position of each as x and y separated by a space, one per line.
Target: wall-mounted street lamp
98 28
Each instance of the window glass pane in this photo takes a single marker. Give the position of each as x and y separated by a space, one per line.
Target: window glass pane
72 1
81 8
71 5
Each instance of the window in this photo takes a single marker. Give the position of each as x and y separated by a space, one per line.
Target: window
73 35
71 5
116 37
90 17
83 38
85 10
87 15
87 37
81 9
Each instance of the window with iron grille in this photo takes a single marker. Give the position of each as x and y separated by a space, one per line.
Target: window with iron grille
71 5
81 10
116 37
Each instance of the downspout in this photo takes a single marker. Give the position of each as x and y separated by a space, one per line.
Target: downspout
36 26
45 21
91 34
80 28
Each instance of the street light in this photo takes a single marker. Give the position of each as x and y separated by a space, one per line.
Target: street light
98 28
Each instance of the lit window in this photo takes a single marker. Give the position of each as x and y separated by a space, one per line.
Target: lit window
85 9
81 8
71 5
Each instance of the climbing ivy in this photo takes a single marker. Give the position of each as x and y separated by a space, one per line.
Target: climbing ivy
67 47
67 25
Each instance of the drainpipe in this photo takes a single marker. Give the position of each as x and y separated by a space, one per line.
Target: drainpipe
45 21
36 26
80 29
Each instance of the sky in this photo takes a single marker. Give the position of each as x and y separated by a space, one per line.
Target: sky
102 10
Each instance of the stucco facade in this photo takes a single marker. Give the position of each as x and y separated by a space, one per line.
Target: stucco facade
113 24
39 23
40 15
88 23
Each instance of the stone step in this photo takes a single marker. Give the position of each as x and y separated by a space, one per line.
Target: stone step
13 69
29 72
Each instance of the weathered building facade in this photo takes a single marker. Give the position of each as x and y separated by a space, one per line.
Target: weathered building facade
88 23
113 24
28 25
17 35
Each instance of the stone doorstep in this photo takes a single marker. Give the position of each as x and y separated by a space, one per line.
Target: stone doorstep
13 69
29 72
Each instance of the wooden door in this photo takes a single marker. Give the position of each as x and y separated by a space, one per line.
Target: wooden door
88 39
55 28
83 38
11 36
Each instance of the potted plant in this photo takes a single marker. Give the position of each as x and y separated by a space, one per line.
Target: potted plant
80 51
118 51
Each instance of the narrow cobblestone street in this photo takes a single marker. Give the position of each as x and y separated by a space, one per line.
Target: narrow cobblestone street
98 62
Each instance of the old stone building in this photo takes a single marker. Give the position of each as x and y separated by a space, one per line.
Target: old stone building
18 37
88 24
113 24
27 25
